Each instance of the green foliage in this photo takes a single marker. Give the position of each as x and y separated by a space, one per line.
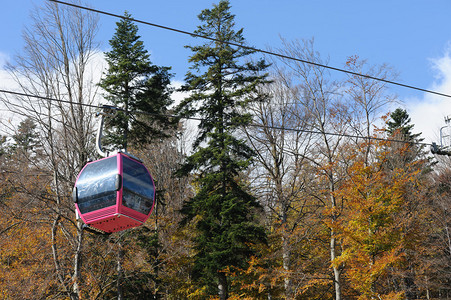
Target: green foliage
26 137
399 123
3 146
132 83
400 128
221 86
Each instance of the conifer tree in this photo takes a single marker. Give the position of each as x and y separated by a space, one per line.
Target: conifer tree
221 85
133 83
399 127
26 138
399 124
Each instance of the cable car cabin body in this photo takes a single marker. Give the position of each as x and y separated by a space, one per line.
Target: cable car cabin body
114 193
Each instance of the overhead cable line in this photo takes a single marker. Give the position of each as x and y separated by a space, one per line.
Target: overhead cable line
46 98
201 119
254 49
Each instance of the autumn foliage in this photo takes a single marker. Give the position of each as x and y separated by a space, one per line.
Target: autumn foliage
318 202
390 228
374 232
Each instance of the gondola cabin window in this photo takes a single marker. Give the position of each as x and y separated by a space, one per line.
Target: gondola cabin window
138 190
96 185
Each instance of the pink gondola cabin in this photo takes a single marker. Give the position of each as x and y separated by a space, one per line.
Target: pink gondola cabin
114 193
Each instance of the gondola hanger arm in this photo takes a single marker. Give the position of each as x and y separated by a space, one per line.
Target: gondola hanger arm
106 110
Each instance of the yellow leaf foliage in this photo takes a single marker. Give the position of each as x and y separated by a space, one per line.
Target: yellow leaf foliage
371 227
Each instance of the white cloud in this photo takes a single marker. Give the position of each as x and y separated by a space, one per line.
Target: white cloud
6 83
177 96
6 80
428 113
9 120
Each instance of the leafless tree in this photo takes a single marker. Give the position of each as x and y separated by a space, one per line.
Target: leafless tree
367 97
434 275
327 113
54 70
280 175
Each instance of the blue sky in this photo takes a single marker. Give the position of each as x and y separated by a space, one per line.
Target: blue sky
413 36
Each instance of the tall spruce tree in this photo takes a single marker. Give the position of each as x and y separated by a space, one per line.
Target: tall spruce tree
400 128
399 125
221 85
133 83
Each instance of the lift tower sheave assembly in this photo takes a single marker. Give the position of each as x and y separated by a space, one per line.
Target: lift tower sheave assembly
445 140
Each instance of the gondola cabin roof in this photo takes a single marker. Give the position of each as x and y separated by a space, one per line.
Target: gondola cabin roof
114 193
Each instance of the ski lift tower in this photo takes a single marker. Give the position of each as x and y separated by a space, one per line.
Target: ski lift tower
445 140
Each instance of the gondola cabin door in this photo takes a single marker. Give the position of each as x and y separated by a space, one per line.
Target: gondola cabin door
114 193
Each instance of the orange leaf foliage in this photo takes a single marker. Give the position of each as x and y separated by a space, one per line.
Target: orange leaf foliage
371 226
